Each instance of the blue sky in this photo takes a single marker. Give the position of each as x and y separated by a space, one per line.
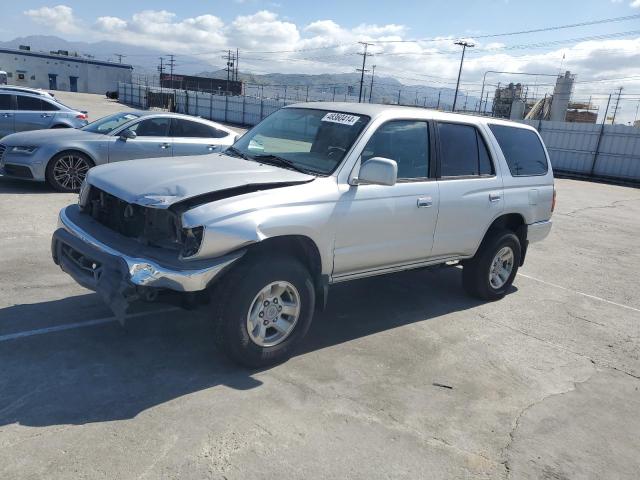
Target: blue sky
286 36
422 17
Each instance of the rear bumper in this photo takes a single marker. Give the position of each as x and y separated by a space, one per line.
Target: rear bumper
538 231
120 277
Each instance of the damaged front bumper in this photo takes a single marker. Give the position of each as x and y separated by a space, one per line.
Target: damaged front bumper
121 275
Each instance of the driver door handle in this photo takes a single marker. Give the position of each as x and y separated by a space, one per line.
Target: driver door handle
45 115
494 197
425 202
165 145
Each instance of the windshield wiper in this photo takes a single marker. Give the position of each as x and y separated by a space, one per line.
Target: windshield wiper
238 153
282 162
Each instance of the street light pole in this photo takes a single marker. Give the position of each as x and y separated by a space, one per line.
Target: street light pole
464 45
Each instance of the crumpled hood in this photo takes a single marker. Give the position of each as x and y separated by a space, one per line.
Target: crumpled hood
162 182
42 137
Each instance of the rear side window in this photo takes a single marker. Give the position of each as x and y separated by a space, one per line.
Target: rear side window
185 128
48 107
522 149
5 102
29 103
463 152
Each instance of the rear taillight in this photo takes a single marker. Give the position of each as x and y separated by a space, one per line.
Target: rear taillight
82 116
553 202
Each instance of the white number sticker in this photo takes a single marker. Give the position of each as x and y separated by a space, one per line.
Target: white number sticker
343 118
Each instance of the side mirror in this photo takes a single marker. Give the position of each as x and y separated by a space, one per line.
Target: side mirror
127 135
378 171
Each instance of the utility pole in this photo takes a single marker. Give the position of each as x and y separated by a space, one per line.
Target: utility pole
464 108
615 110
230 67
637 108
333 99
237 61
285 94
120 56
373 72
161 70
438 106
399 91
172 63
464 45
307 98
363 69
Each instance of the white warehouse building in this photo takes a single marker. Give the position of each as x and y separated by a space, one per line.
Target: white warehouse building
61 71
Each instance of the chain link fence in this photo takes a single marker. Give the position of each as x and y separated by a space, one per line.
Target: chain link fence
599 151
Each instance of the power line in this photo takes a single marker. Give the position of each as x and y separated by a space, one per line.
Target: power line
522 32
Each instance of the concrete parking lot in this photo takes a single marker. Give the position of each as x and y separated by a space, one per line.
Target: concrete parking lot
402 377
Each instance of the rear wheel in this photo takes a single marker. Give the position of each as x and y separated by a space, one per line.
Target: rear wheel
264 307
67 170
491 272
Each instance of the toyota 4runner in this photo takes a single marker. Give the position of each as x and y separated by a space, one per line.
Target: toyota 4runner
315 194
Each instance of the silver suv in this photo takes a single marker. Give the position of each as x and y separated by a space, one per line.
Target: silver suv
22 110
314 195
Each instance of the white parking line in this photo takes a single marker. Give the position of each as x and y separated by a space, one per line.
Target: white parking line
70 326
579 293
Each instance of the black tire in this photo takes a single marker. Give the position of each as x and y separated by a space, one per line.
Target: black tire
234 296
476 271
79 173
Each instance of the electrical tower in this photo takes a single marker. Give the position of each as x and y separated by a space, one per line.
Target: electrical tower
363 69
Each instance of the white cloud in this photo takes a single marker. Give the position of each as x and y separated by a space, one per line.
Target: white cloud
59 18
635 4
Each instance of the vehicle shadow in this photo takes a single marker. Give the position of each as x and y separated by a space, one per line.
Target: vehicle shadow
10 185
108 372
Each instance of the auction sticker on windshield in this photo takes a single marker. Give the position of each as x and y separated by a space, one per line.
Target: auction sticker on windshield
343 118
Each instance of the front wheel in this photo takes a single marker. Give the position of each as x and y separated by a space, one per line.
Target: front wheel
67 170
264 307
491 272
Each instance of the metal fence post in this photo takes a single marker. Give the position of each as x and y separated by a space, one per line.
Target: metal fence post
140 96
196 113
261 109
244 100
226 106
211 106
597 152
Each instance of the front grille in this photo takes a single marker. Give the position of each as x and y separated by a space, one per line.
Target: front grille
149 226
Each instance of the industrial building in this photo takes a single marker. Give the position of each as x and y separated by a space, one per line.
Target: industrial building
511 102
62 70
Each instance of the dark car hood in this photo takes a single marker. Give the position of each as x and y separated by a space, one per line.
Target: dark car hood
162 182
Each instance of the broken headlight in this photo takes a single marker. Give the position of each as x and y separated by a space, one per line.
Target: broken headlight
191 241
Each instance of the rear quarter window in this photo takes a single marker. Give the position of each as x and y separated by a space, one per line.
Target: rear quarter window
522 149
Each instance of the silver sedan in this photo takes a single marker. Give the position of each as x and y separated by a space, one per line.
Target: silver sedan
63 157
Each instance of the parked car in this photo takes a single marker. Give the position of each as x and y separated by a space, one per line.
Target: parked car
19 89
314 195
62 158
21 111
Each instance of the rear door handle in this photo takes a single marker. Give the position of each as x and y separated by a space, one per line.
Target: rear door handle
165 145
45 115
494 197
211 148
6 115
425 202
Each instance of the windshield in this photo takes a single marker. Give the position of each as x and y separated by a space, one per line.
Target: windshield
107 124
307 139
